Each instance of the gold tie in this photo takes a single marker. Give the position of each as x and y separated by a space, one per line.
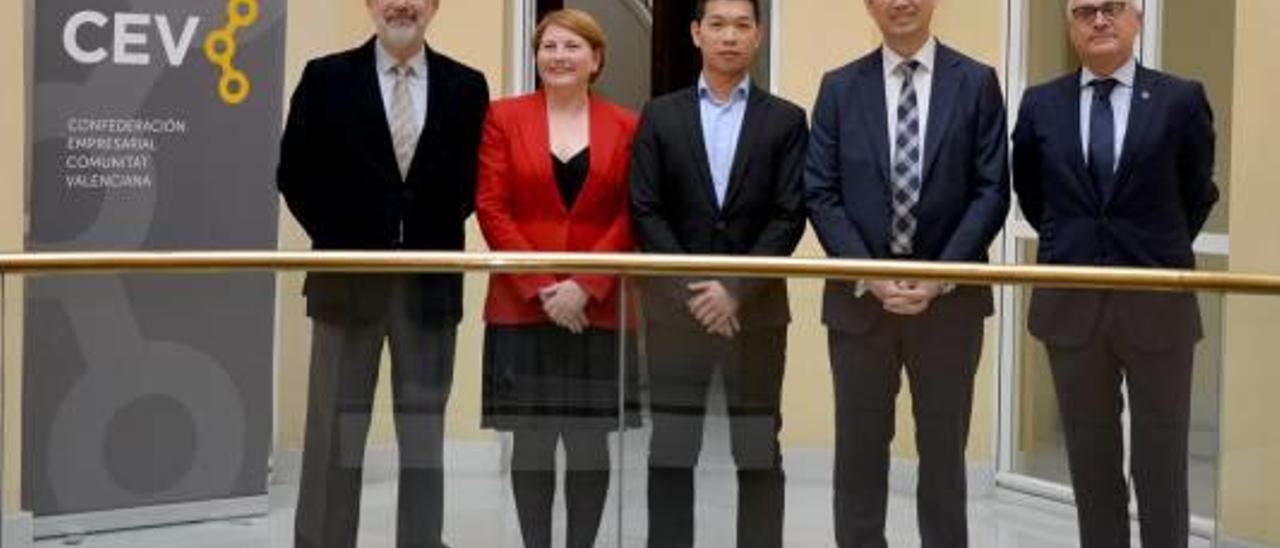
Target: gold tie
404 132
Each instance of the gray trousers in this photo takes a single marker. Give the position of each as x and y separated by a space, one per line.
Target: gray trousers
344 375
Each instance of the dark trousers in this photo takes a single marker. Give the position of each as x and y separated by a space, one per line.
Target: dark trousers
344 375
1088 380
533 482
681 366
941 355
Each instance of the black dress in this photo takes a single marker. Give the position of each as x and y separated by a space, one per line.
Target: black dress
543 376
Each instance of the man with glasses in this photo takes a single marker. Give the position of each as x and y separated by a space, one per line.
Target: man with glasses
907 160
1113 166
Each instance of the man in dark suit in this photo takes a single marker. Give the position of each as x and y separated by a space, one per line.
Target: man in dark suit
716 169
380 153
1113 165
907 160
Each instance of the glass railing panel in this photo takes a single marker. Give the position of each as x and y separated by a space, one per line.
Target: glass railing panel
530 368
1249 442
791 406
138 402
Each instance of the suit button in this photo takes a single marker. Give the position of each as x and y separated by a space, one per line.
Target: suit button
720 225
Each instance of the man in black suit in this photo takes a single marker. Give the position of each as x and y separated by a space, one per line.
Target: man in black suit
380 153
716 169
1113 165
907 160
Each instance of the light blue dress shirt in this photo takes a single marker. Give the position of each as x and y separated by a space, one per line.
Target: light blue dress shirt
721 126
1121 99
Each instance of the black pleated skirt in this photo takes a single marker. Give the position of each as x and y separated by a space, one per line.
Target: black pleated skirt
544 377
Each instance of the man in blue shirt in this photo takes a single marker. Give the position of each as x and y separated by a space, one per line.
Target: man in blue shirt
716 169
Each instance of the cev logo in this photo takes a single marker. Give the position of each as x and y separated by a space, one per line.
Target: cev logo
220 48
128 40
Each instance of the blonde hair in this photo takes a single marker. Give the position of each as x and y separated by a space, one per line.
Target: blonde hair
580 23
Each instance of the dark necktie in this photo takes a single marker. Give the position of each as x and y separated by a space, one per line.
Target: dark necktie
1102 136
906 164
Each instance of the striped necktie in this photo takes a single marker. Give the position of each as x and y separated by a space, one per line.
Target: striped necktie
404 129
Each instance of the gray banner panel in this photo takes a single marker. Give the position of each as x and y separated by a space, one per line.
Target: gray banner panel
156 127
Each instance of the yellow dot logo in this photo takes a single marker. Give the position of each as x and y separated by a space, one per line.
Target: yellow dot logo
220 48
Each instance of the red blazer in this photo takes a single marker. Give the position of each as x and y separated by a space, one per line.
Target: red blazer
519 206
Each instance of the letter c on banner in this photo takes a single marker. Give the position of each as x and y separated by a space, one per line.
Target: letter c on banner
72 45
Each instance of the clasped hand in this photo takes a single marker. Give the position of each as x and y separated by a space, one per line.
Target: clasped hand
566 304
715 308
903 297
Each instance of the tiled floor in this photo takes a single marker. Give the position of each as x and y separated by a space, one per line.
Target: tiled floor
482 518
481 515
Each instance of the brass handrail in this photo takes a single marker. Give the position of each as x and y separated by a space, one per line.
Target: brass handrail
635 264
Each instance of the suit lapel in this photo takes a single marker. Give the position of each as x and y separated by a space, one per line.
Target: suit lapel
373 113
438 89
752 119
1139 119
537 145
692 118
875 112
946 83
1067 99
603 141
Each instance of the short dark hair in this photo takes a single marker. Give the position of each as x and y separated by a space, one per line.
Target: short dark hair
700 9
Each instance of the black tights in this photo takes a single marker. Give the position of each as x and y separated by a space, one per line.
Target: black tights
533 481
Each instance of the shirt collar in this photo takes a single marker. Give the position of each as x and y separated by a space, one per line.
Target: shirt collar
928 52
1125 74
739 93
385 61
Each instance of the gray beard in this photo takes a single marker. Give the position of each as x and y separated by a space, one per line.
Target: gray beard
396 38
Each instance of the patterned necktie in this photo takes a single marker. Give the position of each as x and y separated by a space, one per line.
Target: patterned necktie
404 131
1102 136
906 163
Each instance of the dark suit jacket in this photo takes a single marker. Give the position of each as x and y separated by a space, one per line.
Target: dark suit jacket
673 203
1162 195
520 208
965 193
339 176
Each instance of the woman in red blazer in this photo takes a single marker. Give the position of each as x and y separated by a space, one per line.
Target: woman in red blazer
553 177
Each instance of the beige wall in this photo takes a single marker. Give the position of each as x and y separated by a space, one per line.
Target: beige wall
12 162
1251 434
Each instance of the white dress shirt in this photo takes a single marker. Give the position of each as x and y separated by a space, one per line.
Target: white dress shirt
385 65
1121 99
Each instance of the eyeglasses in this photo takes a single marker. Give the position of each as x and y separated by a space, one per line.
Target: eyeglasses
1109 10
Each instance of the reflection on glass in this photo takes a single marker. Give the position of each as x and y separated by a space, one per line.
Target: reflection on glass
1198 42
1049 54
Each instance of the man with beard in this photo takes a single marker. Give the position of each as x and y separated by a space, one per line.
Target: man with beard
380 153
